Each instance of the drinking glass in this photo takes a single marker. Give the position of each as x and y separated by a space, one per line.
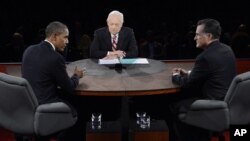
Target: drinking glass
145 122
139 115
96 120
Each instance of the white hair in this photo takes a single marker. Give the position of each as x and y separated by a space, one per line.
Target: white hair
116 13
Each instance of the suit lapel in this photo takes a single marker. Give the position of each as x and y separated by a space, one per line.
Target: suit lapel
120 39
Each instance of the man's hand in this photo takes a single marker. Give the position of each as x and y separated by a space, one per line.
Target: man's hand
115 54
110 56
79 73
118 53
179 71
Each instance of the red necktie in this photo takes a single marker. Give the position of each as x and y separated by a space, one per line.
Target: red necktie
114 44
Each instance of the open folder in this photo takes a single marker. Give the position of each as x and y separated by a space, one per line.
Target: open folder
124 61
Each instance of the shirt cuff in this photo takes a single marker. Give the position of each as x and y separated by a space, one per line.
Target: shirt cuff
188 74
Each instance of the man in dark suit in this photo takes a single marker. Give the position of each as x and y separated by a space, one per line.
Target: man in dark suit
115 40
45 69
210 77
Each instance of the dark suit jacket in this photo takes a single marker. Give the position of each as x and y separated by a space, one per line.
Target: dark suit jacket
45 70
213 72
102 43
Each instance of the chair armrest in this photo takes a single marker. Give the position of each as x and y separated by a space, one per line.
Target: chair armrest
208 105
216 119
207 114
57 107
53 117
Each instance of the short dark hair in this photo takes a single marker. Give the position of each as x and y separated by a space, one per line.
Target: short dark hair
55 28
211 26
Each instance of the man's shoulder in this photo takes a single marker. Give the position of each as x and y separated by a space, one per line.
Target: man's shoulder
36 46
30 49
127 28
44 49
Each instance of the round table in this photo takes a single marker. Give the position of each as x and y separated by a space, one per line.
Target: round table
134 79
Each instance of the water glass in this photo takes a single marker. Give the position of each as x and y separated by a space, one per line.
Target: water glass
145 122
139 115
96 120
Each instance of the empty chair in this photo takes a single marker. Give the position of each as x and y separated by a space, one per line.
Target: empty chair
217 116
21 114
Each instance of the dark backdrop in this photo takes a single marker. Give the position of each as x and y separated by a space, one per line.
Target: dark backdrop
31 17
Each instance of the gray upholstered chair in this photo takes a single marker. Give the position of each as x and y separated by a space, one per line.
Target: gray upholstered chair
21 114
217 115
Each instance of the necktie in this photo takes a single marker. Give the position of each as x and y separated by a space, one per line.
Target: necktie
114 44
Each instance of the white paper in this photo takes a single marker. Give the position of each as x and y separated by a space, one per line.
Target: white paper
108 61
124 61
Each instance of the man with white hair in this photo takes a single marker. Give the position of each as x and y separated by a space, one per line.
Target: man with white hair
115 40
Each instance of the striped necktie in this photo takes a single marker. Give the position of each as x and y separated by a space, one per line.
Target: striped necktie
114 44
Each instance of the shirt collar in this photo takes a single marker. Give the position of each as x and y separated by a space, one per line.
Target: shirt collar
50 44
117 35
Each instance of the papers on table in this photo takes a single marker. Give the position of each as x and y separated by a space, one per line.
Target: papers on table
135 61
124 61
109 61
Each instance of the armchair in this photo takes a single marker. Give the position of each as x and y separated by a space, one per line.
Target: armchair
21 114
217 116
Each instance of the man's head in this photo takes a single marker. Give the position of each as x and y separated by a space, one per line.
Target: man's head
115 21
57 33
207 31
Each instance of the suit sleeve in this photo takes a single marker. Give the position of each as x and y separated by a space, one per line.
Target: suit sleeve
132 51
199 73
62 79
196 77
95 51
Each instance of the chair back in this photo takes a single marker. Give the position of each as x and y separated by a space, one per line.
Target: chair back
17 104
238 99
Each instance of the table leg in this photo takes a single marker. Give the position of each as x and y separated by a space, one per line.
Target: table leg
125 117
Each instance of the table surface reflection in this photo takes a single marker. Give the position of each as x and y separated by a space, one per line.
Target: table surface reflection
140 79
102 80
135 80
